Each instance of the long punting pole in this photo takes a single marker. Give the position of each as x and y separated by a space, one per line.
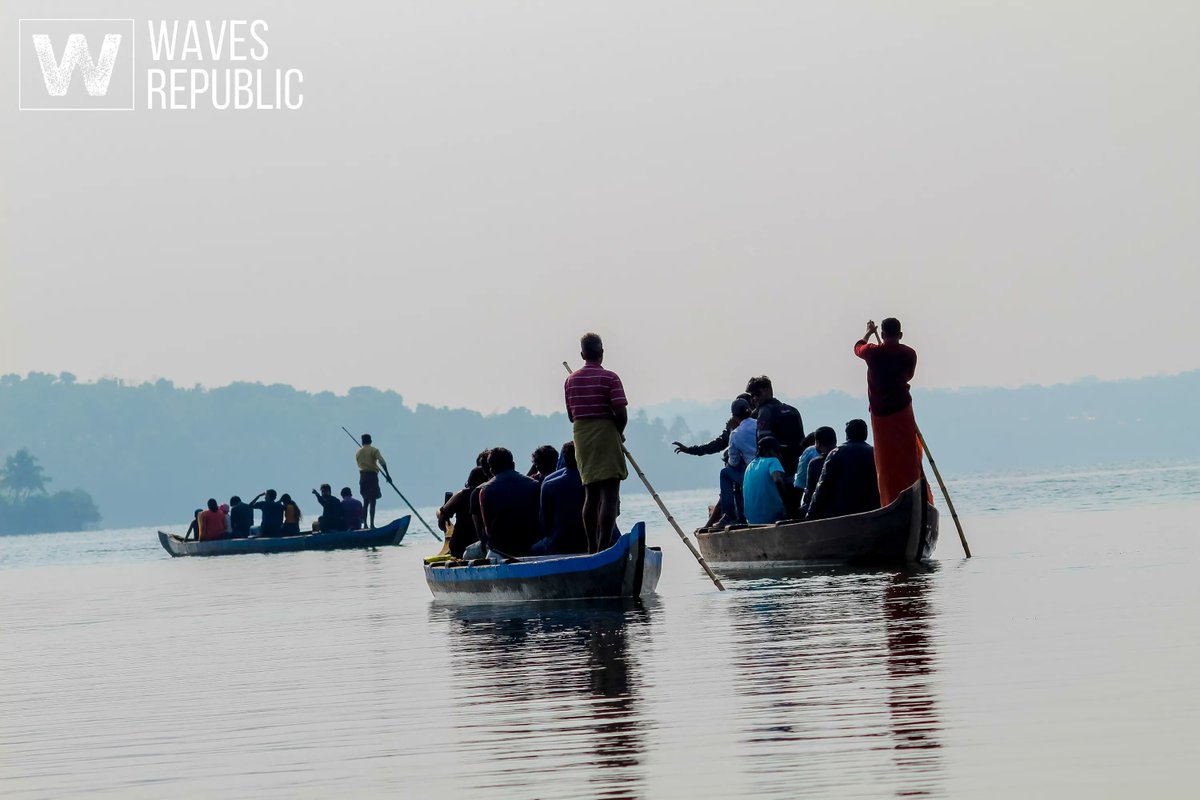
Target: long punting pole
962 537
667 513
402 497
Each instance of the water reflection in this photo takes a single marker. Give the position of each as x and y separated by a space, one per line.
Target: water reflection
550 694
835 669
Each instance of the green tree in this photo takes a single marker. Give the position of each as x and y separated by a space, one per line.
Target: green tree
22 475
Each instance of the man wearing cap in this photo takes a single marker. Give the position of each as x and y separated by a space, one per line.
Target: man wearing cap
847 484
717 443
743 447
598 411
890 368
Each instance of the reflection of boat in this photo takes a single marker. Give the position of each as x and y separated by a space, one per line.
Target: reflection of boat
904 531
627 569
549 695
389 534
841 662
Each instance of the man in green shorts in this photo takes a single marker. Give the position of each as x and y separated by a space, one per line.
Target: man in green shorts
597 408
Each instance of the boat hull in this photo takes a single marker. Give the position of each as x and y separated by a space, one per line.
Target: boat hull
905 531
627 569
388 535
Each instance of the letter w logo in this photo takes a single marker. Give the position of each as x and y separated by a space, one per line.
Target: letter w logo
57 74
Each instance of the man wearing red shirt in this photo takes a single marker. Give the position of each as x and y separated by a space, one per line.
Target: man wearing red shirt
890 367
598 410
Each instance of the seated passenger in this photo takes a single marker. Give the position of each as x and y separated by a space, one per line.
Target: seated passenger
562 509
807 453
545 461
272 513
508 507
331 510
352 510
291 516
241 518
743 447
848 484
764 486
457 510
824 440
212 523
195 526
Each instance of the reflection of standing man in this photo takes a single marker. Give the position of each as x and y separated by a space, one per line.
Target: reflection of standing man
597 407
370 462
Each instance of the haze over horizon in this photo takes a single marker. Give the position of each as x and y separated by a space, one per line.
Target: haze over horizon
720 190
656 408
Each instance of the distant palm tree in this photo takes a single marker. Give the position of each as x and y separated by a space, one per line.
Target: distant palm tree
22 475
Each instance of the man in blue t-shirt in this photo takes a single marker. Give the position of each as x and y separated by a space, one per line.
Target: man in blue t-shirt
765 485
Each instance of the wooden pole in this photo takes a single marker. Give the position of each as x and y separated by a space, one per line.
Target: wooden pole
962 537
662 506
402 497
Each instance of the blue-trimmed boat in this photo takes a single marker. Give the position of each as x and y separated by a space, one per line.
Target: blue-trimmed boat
388 535
627 569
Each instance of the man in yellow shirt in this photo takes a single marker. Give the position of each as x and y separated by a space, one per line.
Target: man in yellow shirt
370 463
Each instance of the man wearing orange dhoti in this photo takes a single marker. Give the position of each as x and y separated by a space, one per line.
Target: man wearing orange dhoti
890 367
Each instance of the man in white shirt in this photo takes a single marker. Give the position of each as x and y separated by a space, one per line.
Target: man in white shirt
743 446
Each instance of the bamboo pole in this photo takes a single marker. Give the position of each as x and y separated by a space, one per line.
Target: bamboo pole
962 537
662 506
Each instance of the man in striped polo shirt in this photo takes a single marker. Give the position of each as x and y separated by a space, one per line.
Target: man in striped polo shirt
597 408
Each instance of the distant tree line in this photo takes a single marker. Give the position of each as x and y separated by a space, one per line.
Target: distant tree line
26 506
153 452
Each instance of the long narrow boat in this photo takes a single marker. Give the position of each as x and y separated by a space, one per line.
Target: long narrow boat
904 531
388 535
627 569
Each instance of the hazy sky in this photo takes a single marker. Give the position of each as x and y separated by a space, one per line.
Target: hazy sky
719 189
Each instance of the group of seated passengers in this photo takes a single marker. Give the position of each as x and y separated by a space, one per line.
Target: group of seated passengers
832 479
280 517
501 513
772 474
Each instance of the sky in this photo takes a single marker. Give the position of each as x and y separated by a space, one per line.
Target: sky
720 189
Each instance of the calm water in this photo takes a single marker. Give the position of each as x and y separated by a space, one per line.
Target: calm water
1060 661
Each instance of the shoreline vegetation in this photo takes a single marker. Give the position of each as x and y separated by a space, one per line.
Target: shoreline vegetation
27 507
151 452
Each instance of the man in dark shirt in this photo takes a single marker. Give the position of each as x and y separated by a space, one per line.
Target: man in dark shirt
508 505
847 484
825 440
352 510
272 513
543 461
778 420
457 510
562 509
331 510
241 518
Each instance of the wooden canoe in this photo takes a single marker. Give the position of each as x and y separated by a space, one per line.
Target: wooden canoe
627 569
388 535
903 532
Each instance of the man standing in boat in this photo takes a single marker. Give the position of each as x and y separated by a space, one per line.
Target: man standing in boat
890 367
370 462
598 411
